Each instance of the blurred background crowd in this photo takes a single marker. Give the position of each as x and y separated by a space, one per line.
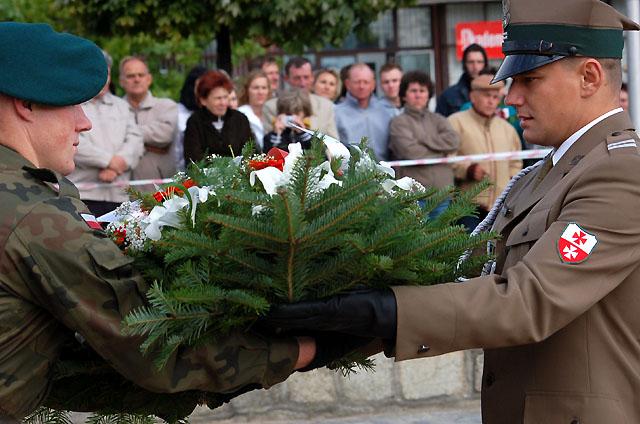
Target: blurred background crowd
413 77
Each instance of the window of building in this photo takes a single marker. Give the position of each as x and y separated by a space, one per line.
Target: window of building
466 12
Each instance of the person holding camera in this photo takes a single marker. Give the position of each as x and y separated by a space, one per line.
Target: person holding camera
293 107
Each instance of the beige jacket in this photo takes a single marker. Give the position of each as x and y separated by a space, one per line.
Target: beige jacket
418 134
486 135
158 120
323 118
114 132
562 340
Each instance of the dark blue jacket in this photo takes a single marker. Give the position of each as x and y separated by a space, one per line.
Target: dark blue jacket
452 99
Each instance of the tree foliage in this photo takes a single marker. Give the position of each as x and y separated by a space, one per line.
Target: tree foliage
315 23
172 34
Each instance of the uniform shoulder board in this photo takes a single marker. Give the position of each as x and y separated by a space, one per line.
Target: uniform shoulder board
620 142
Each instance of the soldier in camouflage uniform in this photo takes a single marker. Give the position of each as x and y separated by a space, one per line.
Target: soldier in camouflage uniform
61 280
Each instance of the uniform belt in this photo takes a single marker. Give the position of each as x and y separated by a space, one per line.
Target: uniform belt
157 150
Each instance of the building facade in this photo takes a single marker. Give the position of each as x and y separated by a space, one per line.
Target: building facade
420 37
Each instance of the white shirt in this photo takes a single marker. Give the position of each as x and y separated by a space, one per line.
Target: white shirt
560 151
255 122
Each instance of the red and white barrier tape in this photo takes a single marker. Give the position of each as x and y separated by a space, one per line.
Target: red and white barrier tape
524 154
121 184
498 156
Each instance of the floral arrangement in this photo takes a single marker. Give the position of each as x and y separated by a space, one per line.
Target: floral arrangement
232 236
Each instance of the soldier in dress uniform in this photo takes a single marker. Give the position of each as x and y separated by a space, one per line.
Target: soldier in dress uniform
62 280
558 317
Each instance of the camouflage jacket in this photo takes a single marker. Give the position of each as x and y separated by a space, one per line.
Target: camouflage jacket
59 277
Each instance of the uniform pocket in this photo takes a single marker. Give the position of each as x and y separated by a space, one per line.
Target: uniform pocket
572 408
530 229
115 269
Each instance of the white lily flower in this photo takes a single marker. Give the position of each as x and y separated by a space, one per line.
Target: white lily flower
386 170
336 149
271 178
165 215
295 152
328 178
405 183
257 210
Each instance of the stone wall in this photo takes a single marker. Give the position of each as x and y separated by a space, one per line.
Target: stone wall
447 378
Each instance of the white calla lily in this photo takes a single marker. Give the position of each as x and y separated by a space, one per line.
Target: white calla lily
271 178
165 215
405 183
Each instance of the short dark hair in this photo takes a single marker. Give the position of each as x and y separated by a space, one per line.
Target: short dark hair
390 67
211 80
260 61
188 91
419 77
296 62
489 71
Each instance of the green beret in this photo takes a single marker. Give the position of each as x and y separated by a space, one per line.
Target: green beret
541 32
48 67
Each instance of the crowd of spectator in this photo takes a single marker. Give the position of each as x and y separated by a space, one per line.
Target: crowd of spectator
143 137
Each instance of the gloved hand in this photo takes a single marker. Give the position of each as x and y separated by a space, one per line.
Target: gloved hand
333 346
364 313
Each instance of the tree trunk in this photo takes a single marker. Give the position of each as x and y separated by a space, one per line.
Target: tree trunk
223 41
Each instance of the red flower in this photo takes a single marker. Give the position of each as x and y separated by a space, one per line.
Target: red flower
261 164
160 196
275 158
120 235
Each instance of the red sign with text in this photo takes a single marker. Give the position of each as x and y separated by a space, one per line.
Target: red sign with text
486 33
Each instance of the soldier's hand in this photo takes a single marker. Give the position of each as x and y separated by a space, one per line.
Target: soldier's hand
330 347
306 352
363 313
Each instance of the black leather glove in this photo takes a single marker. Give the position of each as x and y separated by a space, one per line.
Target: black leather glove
333 346
364 313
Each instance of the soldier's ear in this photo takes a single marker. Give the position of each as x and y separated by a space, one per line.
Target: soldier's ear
24 109
593 77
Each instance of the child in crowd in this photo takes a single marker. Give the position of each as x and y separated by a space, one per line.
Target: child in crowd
292 106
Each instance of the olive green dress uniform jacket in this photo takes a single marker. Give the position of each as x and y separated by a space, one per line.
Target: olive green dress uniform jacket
562 340
59 277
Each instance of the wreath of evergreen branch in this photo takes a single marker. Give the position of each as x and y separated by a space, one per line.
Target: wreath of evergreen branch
222 272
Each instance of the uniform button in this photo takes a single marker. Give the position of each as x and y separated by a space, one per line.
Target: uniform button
423 349
490 379
506 211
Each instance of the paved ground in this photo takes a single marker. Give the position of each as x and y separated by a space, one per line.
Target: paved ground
462 413
467 412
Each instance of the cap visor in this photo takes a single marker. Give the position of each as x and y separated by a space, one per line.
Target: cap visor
518 63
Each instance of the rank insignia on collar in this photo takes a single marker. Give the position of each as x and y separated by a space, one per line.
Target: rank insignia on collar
91 221
575 244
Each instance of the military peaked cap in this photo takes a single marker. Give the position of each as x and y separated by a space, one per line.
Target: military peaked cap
541 32
48 67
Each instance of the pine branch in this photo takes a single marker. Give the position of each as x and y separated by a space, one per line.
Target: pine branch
341 213
119 419
44 415
246 226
